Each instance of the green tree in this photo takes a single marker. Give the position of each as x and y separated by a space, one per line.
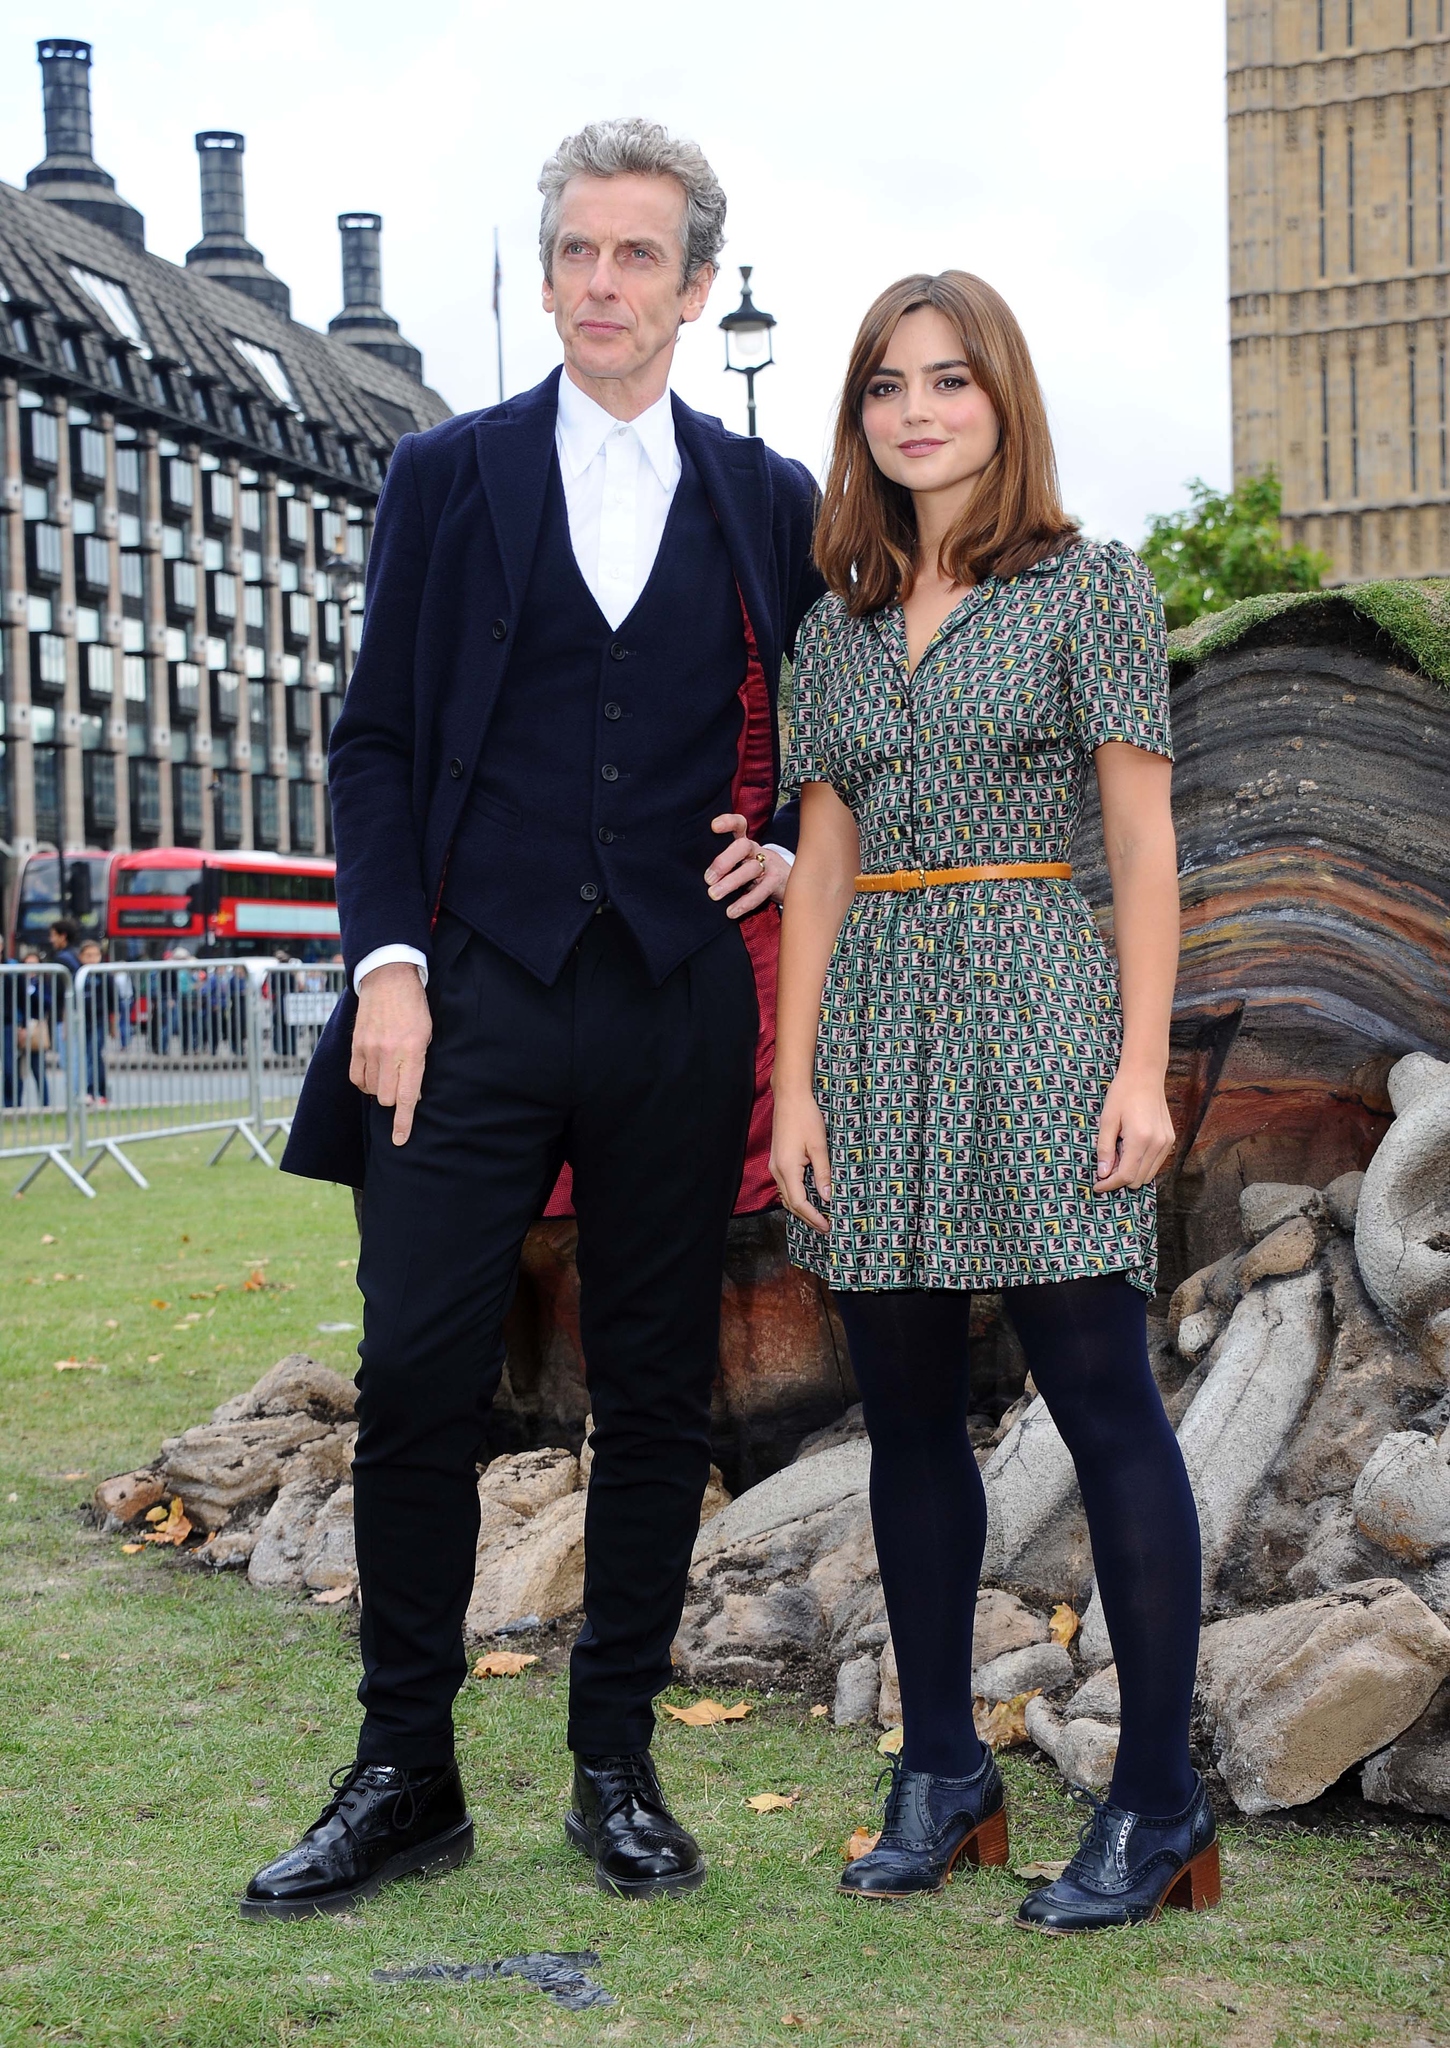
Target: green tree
1225 546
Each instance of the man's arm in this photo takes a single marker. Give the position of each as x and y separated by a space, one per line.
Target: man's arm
381 900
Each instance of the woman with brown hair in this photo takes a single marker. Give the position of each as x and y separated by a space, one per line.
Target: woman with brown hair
968 1097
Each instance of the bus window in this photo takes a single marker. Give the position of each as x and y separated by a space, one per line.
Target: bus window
51 887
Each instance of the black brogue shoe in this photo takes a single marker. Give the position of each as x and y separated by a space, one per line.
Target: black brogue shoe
932 1824
620 1819
381 1823
1128 1867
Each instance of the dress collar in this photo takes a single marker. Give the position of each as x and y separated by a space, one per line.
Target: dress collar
584 427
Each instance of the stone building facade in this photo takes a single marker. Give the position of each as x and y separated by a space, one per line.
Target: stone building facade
1338 158
187 482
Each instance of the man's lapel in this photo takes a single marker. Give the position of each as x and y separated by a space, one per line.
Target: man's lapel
514 447
737 483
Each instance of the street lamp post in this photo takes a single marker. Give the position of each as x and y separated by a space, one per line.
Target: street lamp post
748 346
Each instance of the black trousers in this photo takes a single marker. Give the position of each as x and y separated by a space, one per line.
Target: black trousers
646 1091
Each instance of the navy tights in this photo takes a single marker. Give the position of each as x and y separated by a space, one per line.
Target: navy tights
1086 1346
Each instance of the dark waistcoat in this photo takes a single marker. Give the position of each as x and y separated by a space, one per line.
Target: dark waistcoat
608 753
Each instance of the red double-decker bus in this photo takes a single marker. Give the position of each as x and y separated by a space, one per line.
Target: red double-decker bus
221 903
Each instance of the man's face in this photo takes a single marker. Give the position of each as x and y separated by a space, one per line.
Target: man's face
617 297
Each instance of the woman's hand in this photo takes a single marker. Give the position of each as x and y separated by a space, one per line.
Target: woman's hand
798 1142
1135 1132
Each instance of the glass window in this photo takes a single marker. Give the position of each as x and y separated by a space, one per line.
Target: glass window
289 577
83 515
252 511
251 565
256 606
38 614
268 366
214 554
176 643
130 529
35 499
180 482
88 623
173 543
291 668
216 653
114 302
133 636
42 724
128 471
101 671
133 576
92 451
133 669
256 662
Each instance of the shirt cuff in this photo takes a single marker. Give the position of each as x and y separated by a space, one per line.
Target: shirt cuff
384 956
784 851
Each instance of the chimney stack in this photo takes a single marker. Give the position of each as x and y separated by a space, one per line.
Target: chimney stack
224 253
362 321
69 175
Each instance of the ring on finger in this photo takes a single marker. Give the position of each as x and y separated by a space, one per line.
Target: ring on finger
760 857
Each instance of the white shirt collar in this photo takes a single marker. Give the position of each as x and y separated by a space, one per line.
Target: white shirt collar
584 427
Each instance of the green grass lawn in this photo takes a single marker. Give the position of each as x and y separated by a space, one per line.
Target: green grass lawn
162 1733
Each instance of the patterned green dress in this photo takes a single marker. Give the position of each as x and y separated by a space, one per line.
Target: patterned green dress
969 1032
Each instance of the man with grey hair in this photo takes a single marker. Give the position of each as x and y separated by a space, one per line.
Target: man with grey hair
558 870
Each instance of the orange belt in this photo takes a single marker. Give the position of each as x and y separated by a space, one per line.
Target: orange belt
995 871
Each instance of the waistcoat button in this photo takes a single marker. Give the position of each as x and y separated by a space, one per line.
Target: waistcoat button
589 892
606 836
609 772
500 629
613 711
618 652
455 768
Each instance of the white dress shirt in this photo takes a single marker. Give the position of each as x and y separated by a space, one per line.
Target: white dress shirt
619 483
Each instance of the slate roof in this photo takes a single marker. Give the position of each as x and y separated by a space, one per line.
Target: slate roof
190 323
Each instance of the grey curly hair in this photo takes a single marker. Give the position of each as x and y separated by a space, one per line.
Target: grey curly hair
614 149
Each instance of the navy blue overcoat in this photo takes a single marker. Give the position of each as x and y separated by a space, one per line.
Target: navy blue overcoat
452 548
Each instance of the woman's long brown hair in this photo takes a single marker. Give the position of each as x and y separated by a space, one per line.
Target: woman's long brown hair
866 541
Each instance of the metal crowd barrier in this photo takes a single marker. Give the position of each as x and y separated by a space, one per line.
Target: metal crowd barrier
38 1106
142 1050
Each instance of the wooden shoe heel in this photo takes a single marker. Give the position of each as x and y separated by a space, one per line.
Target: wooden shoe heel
988 1843
1198 1885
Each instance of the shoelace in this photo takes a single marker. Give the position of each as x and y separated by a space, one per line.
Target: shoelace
620 1778
346 1776
1096 1812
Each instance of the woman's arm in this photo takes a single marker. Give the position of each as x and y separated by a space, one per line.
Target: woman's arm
820 892
1135 1131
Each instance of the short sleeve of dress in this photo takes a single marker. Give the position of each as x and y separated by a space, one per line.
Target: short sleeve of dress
1118 654
803 757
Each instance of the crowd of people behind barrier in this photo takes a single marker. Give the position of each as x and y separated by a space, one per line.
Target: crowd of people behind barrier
178 1007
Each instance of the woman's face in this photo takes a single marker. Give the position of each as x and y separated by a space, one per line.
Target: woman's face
928 424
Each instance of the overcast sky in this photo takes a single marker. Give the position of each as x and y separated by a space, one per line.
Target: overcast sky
1071 151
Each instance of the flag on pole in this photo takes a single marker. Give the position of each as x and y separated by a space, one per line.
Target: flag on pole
498 312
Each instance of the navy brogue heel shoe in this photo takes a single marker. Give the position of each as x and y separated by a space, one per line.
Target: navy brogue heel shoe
1128 1867
932 1824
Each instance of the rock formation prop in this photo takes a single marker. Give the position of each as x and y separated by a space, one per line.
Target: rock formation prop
1314 840
267 1485
1307 1372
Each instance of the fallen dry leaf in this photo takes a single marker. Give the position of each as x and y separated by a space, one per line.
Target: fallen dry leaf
1064 1624
503 1664
818 1713
333 1596
890 1743
156 1514
862 1842
153 1358
772 1802
131 1548
48 1238
80 1365
160 1304
1038 1873
1003 1726
111 1323
705 1713
795 2019
175 1528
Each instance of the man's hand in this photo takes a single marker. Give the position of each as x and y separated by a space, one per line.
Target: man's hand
758 870
390 1041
